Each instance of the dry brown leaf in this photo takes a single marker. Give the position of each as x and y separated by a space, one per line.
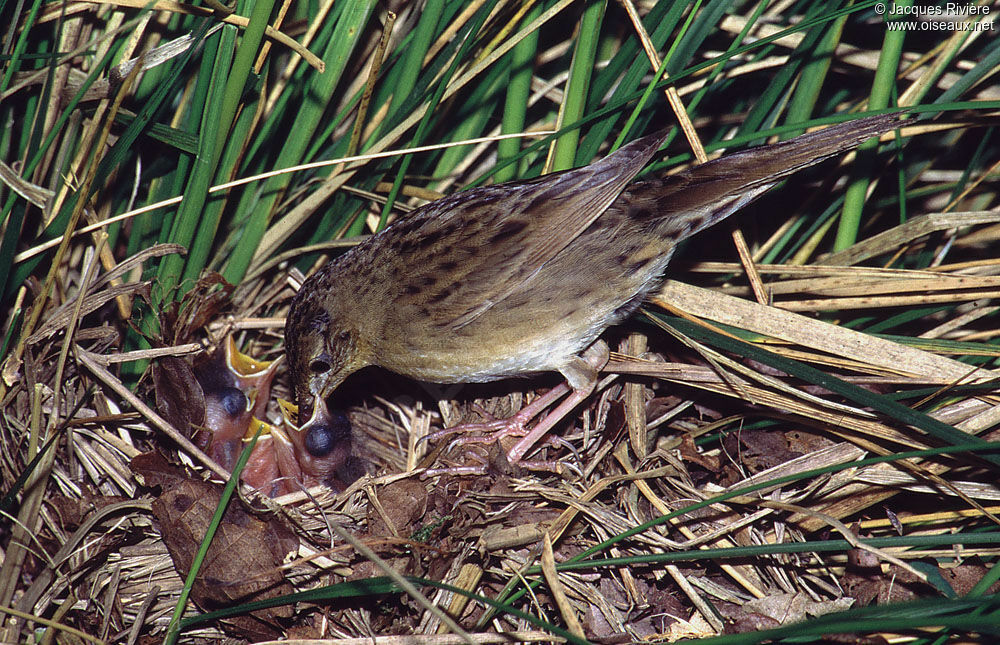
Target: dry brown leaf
243 563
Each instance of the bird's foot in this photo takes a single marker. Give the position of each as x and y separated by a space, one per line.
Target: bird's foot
495 460
588 364
494 430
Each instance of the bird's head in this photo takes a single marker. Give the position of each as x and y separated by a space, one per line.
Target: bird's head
321 351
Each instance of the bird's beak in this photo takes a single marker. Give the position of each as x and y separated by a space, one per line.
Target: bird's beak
321 386
251 375
320 412
322 445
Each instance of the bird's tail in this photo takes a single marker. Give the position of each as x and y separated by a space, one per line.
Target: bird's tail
704 195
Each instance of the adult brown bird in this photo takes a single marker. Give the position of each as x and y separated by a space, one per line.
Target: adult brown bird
522 277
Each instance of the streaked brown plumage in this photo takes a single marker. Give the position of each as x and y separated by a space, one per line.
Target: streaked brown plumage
522 277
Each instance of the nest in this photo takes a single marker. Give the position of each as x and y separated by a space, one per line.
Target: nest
675 480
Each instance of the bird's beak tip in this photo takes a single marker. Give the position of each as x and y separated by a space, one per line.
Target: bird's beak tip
319 412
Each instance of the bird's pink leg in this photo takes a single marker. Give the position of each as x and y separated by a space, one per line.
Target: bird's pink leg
541 428
514 425
517 425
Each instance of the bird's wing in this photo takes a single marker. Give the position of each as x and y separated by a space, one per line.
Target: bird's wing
467 252
464 254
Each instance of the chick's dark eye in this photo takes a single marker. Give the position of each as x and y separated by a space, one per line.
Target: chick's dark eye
322 438
234 401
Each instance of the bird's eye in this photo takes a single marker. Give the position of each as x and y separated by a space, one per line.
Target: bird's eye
234 401
318 440
322 437
320 365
